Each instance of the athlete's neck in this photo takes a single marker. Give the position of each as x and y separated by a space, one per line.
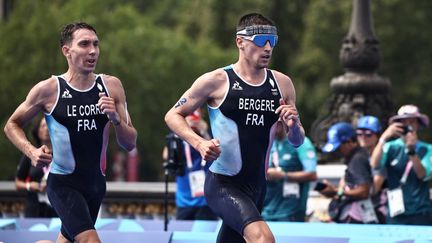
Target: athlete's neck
79 80
250 74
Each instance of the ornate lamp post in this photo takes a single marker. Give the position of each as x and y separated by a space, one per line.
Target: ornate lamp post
360 90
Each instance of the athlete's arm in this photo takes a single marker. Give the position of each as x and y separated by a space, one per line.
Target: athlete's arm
40 98
207 88
287 111
115 108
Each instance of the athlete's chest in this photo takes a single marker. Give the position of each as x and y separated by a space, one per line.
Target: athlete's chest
251 105
79 109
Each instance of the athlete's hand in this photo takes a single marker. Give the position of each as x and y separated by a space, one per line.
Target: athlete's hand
107 106
41 156
288 114
209 149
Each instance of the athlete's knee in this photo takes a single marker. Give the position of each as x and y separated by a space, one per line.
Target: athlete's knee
258 232
264 236
88 236
62 239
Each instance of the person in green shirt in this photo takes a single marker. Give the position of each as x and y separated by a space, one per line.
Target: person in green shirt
288 176
408 162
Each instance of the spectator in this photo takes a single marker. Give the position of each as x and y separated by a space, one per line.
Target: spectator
33 179
408 163
354 187
190 201
368 131
288 176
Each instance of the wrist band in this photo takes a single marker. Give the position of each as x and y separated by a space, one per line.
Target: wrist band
28 186
382 140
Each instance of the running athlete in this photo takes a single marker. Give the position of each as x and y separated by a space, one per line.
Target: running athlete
79 106
245 101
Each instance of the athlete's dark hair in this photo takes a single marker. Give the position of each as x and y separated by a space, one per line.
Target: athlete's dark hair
69 29
253 19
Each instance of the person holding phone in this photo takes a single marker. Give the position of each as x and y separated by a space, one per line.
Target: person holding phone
408 162
354 186
288 179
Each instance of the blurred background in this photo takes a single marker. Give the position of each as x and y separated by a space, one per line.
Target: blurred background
159 47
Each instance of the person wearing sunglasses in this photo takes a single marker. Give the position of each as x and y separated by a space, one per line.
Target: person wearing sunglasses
407 160
354 186
245 101
368 131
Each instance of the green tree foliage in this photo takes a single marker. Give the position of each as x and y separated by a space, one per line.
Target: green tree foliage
156 64
406 56
159 47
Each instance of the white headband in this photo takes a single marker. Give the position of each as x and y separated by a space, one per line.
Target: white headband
257 29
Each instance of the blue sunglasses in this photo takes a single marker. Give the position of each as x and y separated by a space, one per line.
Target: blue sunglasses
261 40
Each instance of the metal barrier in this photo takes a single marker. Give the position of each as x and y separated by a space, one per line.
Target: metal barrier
145 200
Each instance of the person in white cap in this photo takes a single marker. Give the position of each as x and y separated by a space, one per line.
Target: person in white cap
408 162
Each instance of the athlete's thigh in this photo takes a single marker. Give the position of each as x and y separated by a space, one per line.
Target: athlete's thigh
232 204
71 207
94 201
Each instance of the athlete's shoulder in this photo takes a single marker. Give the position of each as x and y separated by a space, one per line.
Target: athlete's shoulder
43 93
48 82
109 78
46 86
212 79
215 75
280 76
112 82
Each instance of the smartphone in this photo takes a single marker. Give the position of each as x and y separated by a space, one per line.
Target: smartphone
319 186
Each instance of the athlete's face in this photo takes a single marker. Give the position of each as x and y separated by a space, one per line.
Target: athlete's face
257 56
83 52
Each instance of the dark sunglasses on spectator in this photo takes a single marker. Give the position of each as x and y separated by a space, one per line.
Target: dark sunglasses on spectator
366 133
